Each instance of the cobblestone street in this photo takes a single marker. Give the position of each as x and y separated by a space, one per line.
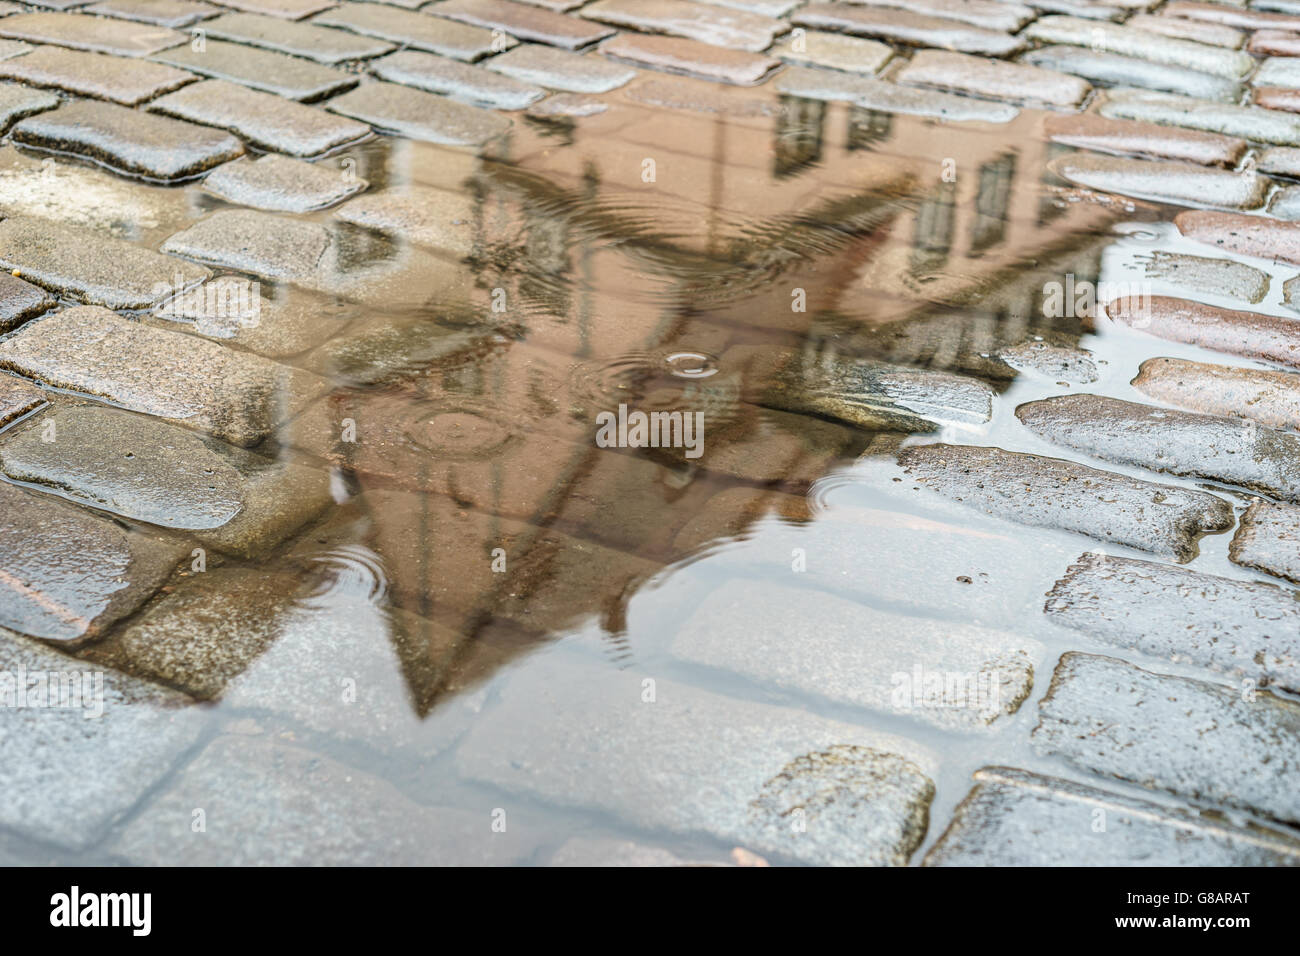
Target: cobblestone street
650 432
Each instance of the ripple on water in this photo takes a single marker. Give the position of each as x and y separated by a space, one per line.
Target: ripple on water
346 575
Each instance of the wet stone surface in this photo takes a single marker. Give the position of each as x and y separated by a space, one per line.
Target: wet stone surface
1111 69
1234 627
1268 397
120 79
674 55
287 76
1199 740
426 217
1048 492
267 121
1213 276
1172 182
86 772
461 81
907 27
1175 442
1269 540
1057 363
20 301
524 22
317 43
1017 818
1252 335
281 184
17 102
419 115
1094 132
718 26
415 30
849 781
176 14
994 79
1248 122
69 574
835 51
129 140
183 378
102 271
887 97
312 810
824 646
97 34
259 243
17 398
560 69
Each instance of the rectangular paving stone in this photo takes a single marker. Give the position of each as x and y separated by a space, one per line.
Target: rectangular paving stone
87 771
20 301
1090 131
165 150
739 768
124 80
202 385
675 55
96 34
284 9
769 8
1208 274
277 799
289 76
12 48
835 51
460 81
435 218
419 115
904 26
66 574
994 79
266 121
1247 235
1052 493
280 184
1269 540
1273 43
1017 818
823 646
1241 628
1230 16
259 243
1198 740
1005 16
17 398
1188 444
718 26
528 23
1252 335
277 324
560 69
1277 72
144 469
17 102
1268 397
1176 182
1212 33
875 94
1167 109
1111 69
322 44
1127 41
176 14
86 265
418 31
1276 98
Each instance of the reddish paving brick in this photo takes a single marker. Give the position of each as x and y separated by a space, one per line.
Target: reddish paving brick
1274 43
523 21
1269 540
1230 16
997 79
1268 397
1247 235
674 55
1276 98
1248 334
1090 131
